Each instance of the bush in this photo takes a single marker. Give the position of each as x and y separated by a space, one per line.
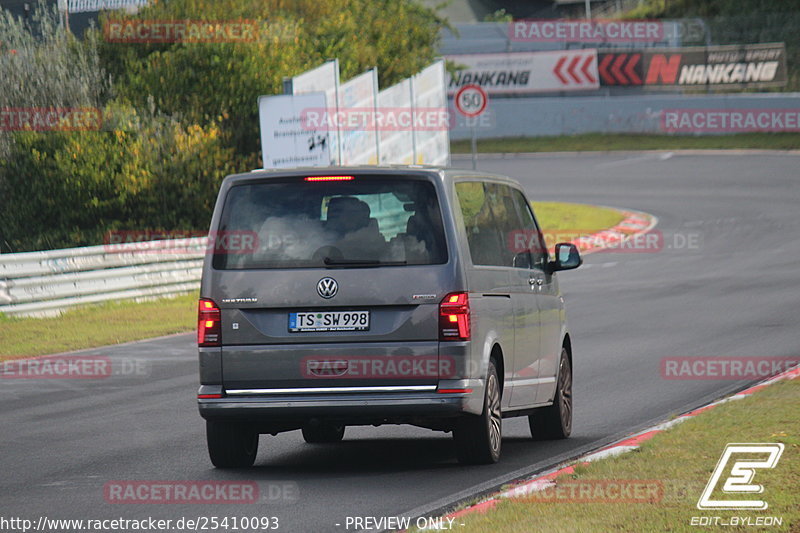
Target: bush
147 171
43 65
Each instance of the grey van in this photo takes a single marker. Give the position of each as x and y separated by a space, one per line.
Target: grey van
380 295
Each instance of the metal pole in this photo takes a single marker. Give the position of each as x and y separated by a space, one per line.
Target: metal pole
336 106
413 99
589 9
375 114
474 148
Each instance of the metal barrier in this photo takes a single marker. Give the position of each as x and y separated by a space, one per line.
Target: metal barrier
46 283
84 6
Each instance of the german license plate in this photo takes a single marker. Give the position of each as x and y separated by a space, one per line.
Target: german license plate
329 321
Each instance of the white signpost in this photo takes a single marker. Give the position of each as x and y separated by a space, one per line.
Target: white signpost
354 123
396 144
286 139
324 78
431 145
359 144
471 101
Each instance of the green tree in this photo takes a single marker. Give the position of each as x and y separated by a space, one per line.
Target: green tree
199 81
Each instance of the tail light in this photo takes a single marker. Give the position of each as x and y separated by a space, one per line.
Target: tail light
454 317
209 324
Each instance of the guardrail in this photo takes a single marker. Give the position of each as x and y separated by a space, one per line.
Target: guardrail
46 283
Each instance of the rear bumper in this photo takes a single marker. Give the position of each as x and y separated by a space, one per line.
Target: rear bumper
354 408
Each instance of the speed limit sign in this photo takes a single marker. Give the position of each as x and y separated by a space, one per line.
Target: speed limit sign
471 101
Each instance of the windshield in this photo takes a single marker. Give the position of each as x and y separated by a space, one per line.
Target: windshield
359 222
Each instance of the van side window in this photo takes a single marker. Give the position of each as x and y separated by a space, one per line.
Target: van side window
479 224
507 220
529 237
490 219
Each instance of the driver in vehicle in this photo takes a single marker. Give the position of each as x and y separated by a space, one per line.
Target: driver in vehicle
356 233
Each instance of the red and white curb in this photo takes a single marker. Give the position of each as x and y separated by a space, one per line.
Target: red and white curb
548 479
634 223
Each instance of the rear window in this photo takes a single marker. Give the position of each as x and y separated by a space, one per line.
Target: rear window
364 221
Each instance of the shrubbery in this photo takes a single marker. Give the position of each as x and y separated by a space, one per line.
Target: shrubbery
145 172
179 116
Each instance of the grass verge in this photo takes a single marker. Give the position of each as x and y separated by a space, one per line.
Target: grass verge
602 142
96 325
554 216
114 323
681 460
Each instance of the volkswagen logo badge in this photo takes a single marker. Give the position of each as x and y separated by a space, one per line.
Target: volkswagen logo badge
327 288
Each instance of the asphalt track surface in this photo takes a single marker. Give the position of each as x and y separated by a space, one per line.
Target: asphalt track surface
733 292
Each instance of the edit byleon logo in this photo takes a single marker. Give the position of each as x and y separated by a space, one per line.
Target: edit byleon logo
739 480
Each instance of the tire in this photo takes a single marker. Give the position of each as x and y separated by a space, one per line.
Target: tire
555 422
231 445
323 433
479 438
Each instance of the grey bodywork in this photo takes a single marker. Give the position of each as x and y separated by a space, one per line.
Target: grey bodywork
517 316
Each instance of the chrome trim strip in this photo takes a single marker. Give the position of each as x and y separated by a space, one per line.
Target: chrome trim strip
316 390
534 381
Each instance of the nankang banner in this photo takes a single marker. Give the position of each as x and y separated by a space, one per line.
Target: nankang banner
728 66
526 72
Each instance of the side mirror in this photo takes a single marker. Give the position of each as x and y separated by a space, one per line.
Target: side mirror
567 257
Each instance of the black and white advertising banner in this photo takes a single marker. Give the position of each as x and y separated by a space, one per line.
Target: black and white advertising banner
526 72
727 66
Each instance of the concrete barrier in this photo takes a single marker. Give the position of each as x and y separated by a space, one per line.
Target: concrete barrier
536 117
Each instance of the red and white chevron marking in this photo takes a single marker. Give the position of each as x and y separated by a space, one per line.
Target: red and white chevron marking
620 69
577 69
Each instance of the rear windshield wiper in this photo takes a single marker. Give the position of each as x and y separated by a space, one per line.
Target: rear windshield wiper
360 262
